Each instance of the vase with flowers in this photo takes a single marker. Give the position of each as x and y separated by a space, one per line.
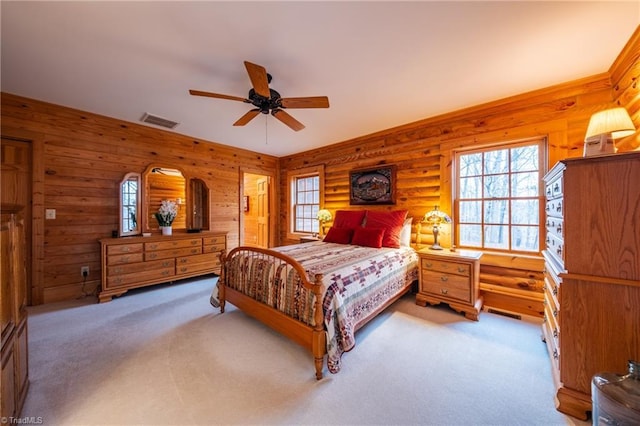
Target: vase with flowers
165 215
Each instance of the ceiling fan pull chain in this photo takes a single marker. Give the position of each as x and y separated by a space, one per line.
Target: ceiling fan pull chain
266 133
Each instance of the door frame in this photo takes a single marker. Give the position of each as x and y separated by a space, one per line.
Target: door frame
35 288
274 207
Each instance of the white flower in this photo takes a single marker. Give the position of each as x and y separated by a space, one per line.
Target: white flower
167 213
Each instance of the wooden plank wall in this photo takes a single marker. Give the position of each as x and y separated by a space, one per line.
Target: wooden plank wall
423 151
79 160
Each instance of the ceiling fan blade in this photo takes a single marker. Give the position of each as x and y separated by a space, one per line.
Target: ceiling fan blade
259 79
217 95
287 119
306 102
247 117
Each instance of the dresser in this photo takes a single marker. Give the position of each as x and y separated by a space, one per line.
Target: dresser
451 278
592 273
14 356
133 262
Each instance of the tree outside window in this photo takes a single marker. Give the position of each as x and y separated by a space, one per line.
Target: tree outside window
498 195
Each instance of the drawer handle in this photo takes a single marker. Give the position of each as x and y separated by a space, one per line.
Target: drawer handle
444 291
183 260
183 269
194 242
556 187
118 280
154 246
555 332
194 251
555 291
117 271
428 264
559 229
559 208
165 264
444 278
559 251
555 313
153 255
165 273
555 354
461 269
127 249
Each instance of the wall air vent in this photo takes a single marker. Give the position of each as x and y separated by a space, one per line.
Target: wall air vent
158 121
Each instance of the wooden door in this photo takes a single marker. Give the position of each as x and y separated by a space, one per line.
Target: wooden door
263 211
15 163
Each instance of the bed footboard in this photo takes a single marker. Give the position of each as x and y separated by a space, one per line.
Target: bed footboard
275 289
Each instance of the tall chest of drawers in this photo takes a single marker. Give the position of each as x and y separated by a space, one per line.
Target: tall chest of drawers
592 273
134 262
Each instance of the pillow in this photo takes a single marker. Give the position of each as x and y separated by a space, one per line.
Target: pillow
338 235
391 222
368 237
405 233
348 218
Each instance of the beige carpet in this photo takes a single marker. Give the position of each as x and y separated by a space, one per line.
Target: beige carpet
164 356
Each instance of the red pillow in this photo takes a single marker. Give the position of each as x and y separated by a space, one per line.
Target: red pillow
368 237
338 235
391 222
348 219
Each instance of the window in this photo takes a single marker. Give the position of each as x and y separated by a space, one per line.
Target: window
499 194
305 199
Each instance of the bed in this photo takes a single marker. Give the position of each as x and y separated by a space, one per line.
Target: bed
319 293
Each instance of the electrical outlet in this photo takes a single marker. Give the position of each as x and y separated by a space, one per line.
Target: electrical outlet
84 271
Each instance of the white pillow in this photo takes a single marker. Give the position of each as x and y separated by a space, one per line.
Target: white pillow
405 233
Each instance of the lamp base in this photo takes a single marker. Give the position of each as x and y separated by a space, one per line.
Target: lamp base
435 247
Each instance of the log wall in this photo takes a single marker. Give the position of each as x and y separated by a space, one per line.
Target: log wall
422 152
80 159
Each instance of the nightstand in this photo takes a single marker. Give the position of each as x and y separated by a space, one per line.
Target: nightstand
451 277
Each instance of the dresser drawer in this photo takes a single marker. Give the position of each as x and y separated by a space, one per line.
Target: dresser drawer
446 285
124 248
203 262
554 226
165 254
121 259
215 240
554 208
140 267
173 244
138 277
448 267
554 188
214 248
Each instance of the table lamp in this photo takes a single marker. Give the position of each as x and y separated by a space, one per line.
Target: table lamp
604 127
435 217
323 216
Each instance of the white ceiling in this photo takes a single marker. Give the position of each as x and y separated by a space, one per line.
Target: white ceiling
382 64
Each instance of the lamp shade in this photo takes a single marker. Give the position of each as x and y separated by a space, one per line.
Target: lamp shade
436 217
615 121
323 215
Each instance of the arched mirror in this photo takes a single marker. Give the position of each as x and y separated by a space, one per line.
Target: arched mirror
199 204
130 196
164 183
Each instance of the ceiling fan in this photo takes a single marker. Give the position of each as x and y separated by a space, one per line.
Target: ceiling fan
267 100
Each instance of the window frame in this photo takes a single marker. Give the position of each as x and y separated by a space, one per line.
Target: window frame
292 177
541 142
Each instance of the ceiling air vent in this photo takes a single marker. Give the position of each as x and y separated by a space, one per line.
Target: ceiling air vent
158 121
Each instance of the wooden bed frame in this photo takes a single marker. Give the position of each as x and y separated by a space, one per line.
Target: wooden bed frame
311 338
